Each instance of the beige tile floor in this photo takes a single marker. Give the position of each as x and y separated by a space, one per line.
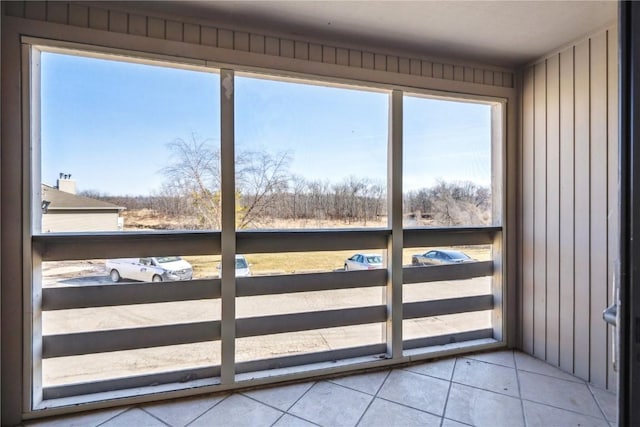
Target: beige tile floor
495 389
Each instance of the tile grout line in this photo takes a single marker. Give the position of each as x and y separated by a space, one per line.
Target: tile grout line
373 398
157 418
200 416
597 403
125 409
565 409
115 416
446 401
515 363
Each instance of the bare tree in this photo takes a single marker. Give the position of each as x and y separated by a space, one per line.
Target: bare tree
260 176
195 173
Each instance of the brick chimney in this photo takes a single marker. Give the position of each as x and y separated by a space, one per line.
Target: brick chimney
66 184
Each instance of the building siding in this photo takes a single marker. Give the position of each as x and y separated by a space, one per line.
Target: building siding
79 221
569 206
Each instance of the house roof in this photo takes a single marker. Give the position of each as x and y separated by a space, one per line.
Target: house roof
61 200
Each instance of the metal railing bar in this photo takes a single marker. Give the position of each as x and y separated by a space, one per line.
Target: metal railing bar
251 242
449 236
435 273
79 246
64 298
182 376
414 310
448 339
286 284
128 339
295 322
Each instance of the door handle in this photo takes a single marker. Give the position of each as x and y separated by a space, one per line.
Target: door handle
610 315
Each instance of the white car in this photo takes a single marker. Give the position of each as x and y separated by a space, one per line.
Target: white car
150 269
242 267
363 262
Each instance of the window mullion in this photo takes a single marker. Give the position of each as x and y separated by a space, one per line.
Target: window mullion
228 233
394 248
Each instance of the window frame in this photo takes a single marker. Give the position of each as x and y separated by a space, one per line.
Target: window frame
226 239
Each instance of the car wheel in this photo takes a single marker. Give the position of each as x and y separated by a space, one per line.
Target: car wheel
414 261
114 275
346 267
157 278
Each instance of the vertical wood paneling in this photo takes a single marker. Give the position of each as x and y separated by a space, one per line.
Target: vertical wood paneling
368 60
438 71
192 33
567 210
137 25
380 62
287 48
416 67
404 66
328 54
612 202
225 39
582 205
392 64
427 69
315 52
155 28
209 36
598 224
98 18
539 210
527 211
118 22
342 56
569 207
241 41
57 12
355 58
553 210
301 50
174 31
272 46
78 15
256 45
35 10
447 72
15 8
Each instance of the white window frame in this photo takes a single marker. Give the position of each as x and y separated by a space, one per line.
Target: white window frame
229 241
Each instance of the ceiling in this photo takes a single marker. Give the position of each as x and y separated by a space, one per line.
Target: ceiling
502 33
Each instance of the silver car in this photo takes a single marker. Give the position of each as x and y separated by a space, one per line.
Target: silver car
440 256
363 262
150 269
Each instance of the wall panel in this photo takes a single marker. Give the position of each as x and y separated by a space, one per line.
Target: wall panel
569 111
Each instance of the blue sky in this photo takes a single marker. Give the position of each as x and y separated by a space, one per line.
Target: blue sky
108 123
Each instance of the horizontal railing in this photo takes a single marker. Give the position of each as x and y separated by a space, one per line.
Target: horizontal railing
75 246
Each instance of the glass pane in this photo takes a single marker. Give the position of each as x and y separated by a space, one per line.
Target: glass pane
447 163
127 146
309 156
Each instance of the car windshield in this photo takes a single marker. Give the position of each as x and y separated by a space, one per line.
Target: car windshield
374 259
241 263
164 259
457 255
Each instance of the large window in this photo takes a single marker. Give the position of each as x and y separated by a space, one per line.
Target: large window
132 223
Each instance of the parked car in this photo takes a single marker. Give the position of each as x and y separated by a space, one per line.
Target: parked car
242 267
363 262
150 269
440 256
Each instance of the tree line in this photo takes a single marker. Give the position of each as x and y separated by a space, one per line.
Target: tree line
267 191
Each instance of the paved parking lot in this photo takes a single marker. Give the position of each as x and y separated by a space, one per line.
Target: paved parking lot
136 362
